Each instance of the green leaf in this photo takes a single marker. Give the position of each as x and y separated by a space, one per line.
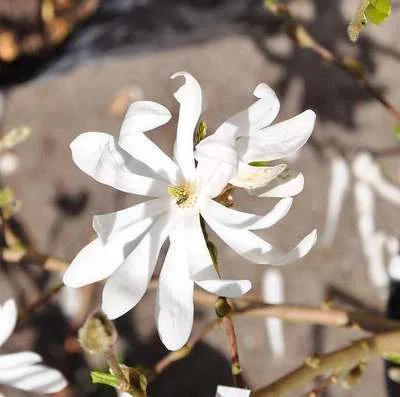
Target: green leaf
397 131
103 378
378 10
384 6
393 358
259 163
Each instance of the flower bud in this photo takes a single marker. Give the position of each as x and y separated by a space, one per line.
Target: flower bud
98 334
137 380
222 307
353 376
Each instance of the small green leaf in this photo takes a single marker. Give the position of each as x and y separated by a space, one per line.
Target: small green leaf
393 358
384 6
397 131
378 11
260 163
104 378
201 132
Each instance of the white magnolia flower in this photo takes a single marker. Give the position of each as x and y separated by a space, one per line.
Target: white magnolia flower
247 138
129 241
225 391
22 370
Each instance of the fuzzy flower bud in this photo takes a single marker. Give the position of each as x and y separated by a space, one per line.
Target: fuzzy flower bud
98 334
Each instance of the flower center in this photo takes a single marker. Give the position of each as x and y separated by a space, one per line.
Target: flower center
184 194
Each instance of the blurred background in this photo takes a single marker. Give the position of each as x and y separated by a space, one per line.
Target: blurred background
69 66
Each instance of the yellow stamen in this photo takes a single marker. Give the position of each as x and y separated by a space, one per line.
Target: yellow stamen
184 194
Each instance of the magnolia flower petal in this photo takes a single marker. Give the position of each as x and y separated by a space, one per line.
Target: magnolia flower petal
256 250
189 97
340 181
287 184
14 360
108 226
252 119
99 156
272 285
225 391
279 140
243 220
98 261
127 285
227 288
144 116
213 176
8 319
174 304
201 266
34 378
250 177
222 150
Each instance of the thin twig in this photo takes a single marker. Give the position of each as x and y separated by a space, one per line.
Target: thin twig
351 66
43 300
235 362
337 317
356 24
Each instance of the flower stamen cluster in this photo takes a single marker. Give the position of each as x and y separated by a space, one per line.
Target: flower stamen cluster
184 194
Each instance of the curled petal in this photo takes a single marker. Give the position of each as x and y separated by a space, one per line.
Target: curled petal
252 119
98 261
279 140
144 116
287 184
189 97
99 156
174 305
255 249
243 220
249 177
8 319
127 285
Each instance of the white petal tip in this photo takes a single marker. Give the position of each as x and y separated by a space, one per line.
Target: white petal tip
263 90
71 280
180 74
226 288
173 345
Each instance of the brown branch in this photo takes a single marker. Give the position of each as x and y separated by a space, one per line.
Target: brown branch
235 362
320 316
351 66
338 317
43 300
339 361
